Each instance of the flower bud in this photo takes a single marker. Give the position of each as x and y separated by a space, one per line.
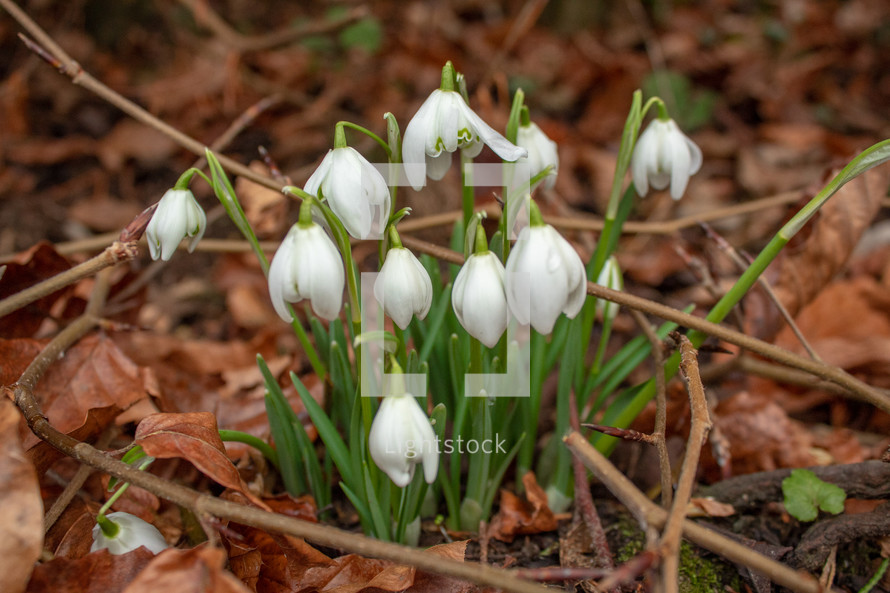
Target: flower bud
443 124
132 532
307 265
543 263
355 191
403 287
610 277
177 216
664 155
542 153
479 298
401 437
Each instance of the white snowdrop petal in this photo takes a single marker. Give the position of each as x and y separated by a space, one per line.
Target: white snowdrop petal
663 157
401 437
133 533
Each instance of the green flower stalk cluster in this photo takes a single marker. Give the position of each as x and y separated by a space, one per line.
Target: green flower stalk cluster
376 443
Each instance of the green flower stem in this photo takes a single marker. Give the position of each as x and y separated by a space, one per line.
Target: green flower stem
341 237
481 246
394 239
348 124
225 193
638 397
467 190
236 436
601 349
516 110
109 528
107 524
871 157
478 470
186 178
447 77
308 347
876 578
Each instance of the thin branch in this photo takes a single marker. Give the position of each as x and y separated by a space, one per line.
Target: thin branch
585 510
115 253
698 432
205 16
59 59
835 375
658 435
742 264
649 513
669 227
71 488
314 532
203 504
828 372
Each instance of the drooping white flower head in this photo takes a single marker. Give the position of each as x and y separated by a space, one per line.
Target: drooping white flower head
177 216
664 155
401 437
355 191
479 298
545 276
307 265
542 153
403 287
132 532
610 277
443 124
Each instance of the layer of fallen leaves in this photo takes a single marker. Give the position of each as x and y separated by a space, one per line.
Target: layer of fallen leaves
799 88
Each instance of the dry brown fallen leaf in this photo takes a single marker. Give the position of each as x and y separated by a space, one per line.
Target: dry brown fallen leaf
198 570
268 562
800 272
266 209
708 507
192 436
24 271
21 508
761 436
520 517
80 394
98 572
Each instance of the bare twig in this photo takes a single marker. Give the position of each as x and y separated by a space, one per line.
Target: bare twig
698 432
584 506
838 376
204 15
658 435
626 434
742 264
59 59
830 373
649 513
71 488
203 504
115 253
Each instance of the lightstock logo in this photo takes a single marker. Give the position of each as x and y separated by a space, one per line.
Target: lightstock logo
516 381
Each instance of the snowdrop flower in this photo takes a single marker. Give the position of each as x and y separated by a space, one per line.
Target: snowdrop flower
401 437
664 155
479 300
177 216
443 124
130 532
610 277
354 189
403 286
541 153
545 276
307 265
